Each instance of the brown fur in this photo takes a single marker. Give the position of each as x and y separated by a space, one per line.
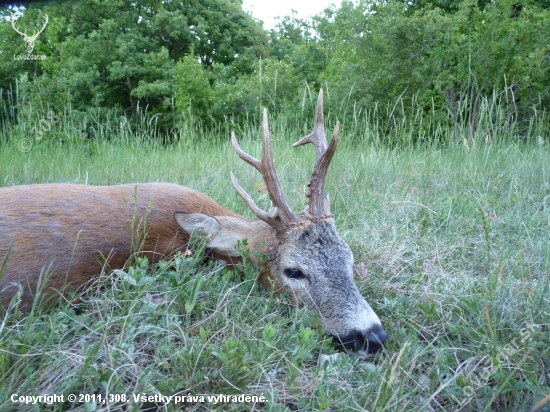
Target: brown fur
72 227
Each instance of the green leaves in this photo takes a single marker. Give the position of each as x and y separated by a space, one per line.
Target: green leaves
123 54
193 91
191 302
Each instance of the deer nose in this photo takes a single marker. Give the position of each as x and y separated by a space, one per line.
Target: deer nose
371 341
376 338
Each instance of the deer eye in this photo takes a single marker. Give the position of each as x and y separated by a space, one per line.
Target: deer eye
294 273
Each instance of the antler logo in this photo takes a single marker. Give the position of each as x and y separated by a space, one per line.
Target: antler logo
30 40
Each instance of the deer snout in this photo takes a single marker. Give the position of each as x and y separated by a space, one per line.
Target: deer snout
376 339
371 340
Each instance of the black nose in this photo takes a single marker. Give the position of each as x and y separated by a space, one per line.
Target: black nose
376 339
356 340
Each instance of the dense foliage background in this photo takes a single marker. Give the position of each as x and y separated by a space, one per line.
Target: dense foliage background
209 62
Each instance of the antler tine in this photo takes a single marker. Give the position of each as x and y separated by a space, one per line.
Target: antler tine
318 202
281 215
317 137
46 22
268 217
245 156
271 180
15 28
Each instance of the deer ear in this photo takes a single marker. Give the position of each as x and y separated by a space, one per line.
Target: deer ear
222 232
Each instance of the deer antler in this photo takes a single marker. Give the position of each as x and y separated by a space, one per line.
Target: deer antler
34 34
281 216
15 28
319 206
30 40
44 26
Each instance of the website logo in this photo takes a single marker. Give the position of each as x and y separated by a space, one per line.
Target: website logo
30 40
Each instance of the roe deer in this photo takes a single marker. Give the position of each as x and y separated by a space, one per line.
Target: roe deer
68 230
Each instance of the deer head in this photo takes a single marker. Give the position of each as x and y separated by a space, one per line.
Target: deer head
306 256
30 40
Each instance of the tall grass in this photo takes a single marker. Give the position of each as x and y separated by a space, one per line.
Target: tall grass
452 250
474 117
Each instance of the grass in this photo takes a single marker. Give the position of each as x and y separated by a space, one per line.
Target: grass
452 250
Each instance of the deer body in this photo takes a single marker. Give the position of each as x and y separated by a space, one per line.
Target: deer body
74 229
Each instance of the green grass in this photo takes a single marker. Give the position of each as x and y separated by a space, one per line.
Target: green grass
452 248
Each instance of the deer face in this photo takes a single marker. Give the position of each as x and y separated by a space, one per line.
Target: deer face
309 260
311 263
315 266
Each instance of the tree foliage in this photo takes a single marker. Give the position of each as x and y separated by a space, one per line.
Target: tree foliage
193 92
114 53
216 62
386 53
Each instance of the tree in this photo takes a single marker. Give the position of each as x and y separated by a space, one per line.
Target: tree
273 84
193 91
293 40
384 53
114 53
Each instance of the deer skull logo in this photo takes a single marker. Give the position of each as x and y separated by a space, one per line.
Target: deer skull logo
30 40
